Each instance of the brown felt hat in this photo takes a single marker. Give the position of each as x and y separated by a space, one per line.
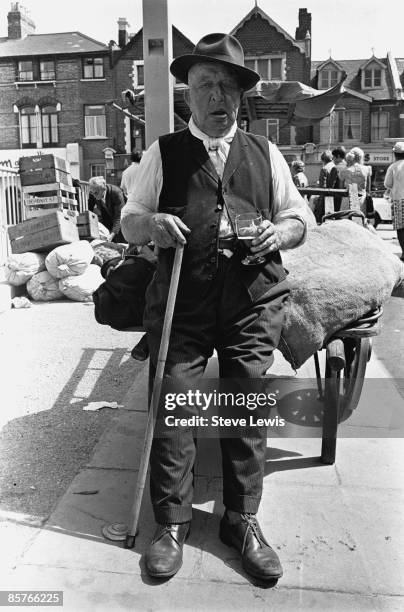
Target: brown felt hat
219 49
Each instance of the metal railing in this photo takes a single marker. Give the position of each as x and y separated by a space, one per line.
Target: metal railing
11 207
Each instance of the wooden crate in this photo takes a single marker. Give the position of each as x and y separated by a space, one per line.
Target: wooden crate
41 199
87 225
42 162
43 233
40 176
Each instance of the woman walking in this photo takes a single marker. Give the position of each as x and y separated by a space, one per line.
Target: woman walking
394 182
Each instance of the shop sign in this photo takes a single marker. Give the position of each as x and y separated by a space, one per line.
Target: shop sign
380 158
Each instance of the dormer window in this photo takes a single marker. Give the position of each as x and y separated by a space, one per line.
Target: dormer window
329 75
328 78
372 74
373 78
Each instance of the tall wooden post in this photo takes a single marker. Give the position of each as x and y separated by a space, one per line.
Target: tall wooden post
158 82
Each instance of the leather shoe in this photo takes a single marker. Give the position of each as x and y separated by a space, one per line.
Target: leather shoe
164 555
258 558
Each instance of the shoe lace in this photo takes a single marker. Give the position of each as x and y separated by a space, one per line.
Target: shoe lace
170 529
253 526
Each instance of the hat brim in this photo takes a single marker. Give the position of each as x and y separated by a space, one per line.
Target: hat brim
181 66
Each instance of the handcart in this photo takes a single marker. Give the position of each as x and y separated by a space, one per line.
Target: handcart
347 354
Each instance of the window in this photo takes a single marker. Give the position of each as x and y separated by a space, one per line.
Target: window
47 70
379 123
25 71
138 73
352 125
372 78
94 121
97 170
328 78
269 68
272 129
28 124
50 134
93 68
329 129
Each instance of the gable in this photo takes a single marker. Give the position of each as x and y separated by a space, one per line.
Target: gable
258 33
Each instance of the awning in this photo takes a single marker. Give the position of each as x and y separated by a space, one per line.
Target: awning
293 102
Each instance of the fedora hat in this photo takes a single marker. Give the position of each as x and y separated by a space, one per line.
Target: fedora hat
218 49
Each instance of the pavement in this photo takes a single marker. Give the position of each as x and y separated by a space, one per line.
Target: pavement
337 529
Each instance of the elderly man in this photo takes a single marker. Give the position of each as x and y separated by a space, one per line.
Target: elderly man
107 202
191 186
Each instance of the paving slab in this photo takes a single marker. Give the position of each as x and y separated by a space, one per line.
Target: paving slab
92 591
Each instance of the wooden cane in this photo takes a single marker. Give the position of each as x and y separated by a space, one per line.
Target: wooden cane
155 398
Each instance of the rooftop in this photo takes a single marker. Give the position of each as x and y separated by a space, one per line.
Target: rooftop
50 44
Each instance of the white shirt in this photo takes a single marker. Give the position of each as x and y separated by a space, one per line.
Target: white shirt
129 178
287 202
394 179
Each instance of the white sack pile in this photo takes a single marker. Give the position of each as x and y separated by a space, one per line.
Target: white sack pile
339 274
43 287
69 259
21 267
80 288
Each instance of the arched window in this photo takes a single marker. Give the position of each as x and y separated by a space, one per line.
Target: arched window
50 135
29 126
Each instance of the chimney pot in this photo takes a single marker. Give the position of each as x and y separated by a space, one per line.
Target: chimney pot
123 34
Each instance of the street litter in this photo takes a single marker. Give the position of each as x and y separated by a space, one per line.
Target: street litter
20 302
99 405
93 492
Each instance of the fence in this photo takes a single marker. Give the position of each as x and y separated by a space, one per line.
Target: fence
12 205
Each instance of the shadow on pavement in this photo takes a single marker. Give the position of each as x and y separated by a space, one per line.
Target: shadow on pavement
41 453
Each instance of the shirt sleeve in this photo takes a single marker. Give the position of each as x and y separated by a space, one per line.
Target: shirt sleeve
149 180
388 179
287 202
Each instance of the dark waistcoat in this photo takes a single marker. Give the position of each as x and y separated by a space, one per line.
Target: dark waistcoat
193 191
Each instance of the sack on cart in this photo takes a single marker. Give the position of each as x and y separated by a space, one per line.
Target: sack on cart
338 275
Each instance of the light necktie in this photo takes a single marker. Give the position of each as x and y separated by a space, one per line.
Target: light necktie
218 149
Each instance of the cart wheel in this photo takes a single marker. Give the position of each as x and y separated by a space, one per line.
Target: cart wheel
358 353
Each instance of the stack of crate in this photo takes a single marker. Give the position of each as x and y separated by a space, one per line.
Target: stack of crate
47 186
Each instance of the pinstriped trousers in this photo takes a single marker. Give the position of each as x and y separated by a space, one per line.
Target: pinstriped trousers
244 333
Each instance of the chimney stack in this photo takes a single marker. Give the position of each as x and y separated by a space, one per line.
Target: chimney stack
19 22
123 34
304 24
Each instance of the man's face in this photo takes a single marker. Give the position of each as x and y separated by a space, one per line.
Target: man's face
214 98
336 159
98 192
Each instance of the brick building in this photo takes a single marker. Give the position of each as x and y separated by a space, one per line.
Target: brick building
370 113
53 92
276 56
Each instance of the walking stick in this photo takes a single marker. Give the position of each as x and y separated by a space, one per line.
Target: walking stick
155 398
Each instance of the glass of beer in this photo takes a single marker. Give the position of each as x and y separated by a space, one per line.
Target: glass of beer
247 225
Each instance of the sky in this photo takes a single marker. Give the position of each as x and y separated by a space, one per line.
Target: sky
346 29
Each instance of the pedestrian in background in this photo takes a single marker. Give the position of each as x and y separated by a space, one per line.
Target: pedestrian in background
107 201
338 157
325 172
356 173
128 180
394 181
324 181
298 175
